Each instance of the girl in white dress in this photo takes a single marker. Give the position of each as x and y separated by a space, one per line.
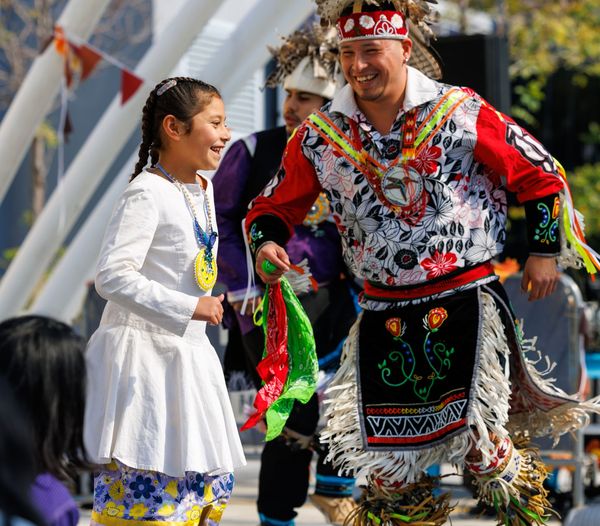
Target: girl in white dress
158 417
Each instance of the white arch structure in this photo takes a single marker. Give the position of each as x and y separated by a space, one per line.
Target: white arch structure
95 157
31 104
63 292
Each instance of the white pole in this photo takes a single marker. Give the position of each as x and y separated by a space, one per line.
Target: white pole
39 88
65 290
246 48
95 157
260 27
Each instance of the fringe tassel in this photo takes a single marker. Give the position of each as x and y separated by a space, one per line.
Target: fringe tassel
535 421
491 390
413 504
575 252
488 412
515 488
300 278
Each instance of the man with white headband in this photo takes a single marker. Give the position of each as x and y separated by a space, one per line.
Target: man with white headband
436 369
307 67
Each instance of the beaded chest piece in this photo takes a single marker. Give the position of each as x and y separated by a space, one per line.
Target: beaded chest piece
205 265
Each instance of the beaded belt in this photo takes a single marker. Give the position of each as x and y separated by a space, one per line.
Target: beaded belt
376 291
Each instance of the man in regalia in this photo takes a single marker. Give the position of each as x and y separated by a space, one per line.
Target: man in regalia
436 369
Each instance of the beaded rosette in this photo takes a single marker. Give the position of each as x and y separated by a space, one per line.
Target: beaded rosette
205 269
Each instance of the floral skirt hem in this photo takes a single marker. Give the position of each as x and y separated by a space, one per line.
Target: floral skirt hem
124 496
106 520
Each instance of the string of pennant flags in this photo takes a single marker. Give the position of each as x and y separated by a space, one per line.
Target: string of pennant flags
82 58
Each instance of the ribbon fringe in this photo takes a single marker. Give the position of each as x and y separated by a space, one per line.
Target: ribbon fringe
575 252
415 504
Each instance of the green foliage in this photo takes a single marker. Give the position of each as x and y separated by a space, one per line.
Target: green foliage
7 256
592 136
46 132
548 36
585 187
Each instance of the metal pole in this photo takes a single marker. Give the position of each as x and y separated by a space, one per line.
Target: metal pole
246 49
502 21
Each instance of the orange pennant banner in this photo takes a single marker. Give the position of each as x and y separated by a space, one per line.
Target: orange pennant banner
60 42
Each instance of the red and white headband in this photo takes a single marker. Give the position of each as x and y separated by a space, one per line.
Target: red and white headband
372 25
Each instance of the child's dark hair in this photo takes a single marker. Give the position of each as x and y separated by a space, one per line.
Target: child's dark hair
182 97
42 360
17 472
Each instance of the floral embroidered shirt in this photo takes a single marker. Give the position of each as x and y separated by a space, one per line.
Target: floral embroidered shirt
440 212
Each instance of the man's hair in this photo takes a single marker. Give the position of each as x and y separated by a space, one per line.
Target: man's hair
369 8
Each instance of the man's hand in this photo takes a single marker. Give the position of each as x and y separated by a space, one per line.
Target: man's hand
209 309
276 255
237 306
540 277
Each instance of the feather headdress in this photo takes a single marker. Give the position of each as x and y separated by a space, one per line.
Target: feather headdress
317 43
419 11
418 16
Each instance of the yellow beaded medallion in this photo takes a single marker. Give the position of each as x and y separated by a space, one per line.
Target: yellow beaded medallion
205 270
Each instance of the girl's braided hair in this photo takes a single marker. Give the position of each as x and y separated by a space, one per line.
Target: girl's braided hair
182 97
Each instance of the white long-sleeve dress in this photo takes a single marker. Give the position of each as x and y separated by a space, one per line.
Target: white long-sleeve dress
157 398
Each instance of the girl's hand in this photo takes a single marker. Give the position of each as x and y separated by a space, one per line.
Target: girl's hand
277 257
209 309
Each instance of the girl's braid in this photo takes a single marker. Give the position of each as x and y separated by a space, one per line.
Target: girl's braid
147 133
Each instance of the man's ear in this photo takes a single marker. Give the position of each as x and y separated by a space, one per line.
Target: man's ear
407 48
172 127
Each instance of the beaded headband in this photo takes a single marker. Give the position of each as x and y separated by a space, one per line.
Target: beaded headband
376 24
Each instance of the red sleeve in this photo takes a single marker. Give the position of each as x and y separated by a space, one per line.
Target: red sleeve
292 191
526 168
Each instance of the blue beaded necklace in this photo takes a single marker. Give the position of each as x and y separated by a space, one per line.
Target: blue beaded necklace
205 267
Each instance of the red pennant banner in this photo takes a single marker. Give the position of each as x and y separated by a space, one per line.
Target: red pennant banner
130 83
88 57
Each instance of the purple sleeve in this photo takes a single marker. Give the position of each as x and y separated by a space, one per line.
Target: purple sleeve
53 501
229 183
321 247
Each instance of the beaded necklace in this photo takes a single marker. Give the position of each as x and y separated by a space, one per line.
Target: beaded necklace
205 265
